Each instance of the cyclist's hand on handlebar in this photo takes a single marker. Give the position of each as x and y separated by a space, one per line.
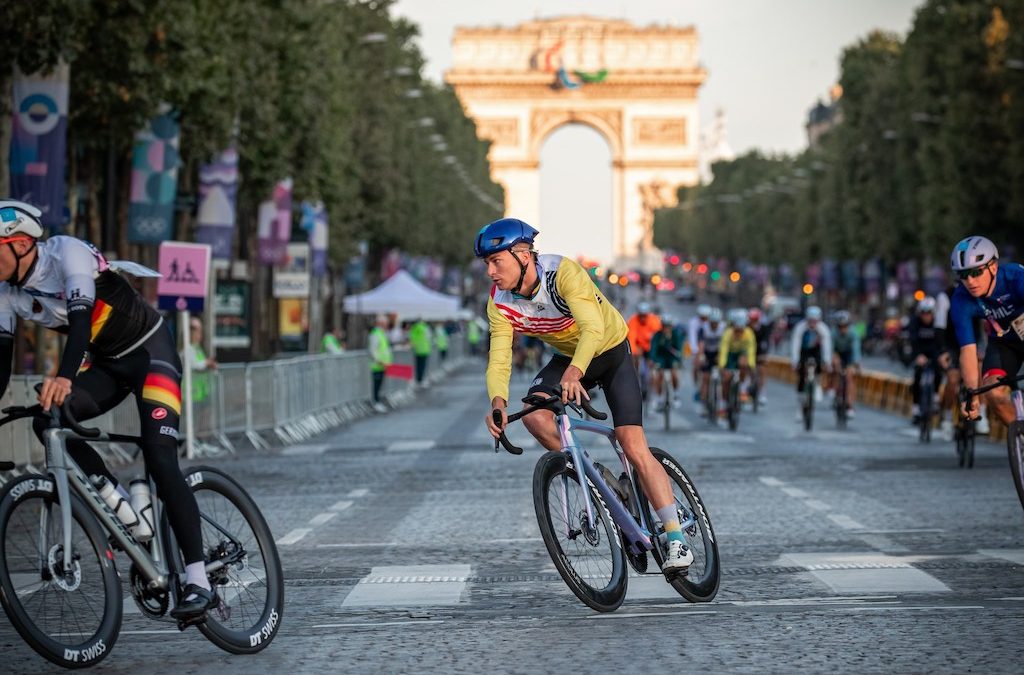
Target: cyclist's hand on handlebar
970 408
572 388
498 407
54 391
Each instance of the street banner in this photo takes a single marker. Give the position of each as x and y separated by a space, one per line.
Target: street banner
155 162
274 225
291 279
218 186
38 138
314 221
185 268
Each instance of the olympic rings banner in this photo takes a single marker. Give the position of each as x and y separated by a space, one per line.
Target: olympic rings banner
155 162
38 139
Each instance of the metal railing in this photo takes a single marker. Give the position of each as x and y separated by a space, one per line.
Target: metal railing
283 400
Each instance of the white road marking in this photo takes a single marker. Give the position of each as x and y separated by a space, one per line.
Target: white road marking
381 544
863 573
817 505
305 450
405 585
845 522
341 506
374 625
1014 555
411 446
771 482
360 492
633 615
293 536
721 437
917 608
321 518
795 492
514 540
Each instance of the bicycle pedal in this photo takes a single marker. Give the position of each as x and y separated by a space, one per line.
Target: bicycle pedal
191 621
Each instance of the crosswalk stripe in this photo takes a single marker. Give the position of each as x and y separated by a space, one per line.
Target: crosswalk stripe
411 446
859 573
293 536
404 585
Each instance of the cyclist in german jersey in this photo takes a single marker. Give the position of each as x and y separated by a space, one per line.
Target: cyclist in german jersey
65 284
994 293
553 298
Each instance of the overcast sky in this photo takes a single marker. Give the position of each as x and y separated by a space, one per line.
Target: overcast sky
768 61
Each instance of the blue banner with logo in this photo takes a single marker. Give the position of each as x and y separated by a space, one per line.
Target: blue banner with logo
218 186
314 221
155 162
38 140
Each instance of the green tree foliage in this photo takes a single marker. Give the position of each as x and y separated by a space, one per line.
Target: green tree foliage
930 148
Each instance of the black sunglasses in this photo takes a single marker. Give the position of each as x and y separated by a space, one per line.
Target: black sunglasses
976 272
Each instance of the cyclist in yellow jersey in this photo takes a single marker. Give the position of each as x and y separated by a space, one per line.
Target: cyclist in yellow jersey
738 351
553 298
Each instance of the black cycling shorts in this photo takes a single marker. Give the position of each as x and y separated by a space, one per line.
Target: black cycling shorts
613 371
1003 357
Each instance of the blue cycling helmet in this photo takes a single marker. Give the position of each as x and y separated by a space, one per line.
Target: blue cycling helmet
501 235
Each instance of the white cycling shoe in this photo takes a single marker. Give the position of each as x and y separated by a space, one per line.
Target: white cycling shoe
678 558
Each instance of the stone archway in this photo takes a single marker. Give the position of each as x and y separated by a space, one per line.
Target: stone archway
636 86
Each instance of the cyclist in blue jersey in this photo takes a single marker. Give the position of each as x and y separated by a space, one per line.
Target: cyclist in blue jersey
993 293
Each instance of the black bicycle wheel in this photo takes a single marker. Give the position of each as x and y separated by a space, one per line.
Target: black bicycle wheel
667 401
1015 446
734 404
72 619
960 436
969 445
809 405
700 583
590 560
755 393
251 585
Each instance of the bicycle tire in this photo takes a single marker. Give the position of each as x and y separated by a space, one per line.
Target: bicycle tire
1015 449
734 404
669 399
969 440
553 467
960 436
91 542
841 407
257 635
809 405
707 562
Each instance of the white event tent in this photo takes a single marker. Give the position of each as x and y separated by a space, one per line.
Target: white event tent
401 294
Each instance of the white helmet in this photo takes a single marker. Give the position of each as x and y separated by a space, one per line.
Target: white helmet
20 218
704 311
973 252
643 308
715 315
813 313
738 318
926 304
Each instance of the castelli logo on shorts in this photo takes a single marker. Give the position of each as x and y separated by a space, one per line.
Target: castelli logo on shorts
159 413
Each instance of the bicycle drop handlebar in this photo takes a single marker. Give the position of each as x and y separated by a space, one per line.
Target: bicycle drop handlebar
967 394
536 402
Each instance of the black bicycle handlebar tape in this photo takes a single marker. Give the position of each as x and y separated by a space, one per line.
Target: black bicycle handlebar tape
88 432
503 439
592 411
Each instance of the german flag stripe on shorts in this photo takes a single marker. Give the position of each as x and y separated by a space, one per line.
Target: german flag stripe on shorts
162 390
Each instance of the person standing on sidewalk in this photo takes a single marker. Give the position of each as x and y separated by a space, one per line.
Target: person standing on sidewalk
198 362
380 358
441 340
420 340
332 342
473 336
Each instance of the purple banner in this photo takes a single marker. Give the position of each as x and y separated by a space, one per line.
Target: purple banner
38 139
314 221
155 162
275 225
218 186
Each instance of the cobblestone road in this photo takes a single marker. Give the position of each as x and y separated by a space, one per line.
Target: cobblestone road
409 546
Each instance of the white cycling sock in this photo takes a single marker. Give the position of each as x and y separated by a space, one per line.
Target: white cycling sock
195 573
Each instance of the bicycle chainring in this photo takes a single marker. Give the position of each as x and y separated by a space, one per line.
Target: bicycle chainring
152 604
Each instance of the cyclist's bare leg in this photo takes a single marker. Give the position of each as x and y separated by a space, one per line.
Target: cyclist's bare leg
675 378
999 401
726 381
705 377
542 425
652 474
657 381
952 387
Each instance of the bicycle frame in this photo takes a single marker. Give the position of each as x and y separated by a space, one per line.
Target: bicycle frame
637 534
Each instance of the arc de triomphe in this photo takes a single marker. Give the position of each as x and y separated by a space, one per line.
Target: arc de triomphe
636 86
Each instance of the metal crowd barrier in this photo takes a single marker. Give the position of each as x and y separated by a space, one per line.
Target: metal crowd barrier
282 401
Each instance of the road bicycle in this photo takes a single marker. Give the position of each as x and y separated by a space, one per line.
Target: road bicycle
963 435
1014 432
58 581
841 404
926 403
732 403
810 386
591 532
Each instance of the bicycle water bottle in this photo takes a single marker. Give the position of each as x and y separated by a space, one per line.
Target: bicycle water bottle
142 504
115 501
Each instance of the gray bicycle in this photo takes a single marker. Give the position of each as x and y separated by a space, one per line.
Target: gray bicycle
58 582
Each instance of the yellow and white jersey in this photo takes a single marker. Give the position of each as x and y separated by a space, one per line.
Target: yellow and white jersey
567 311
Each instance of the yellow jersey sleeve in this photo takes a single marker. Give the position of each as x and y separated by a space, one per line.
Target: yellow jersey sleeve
601 326
499 358
750 341
724 347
